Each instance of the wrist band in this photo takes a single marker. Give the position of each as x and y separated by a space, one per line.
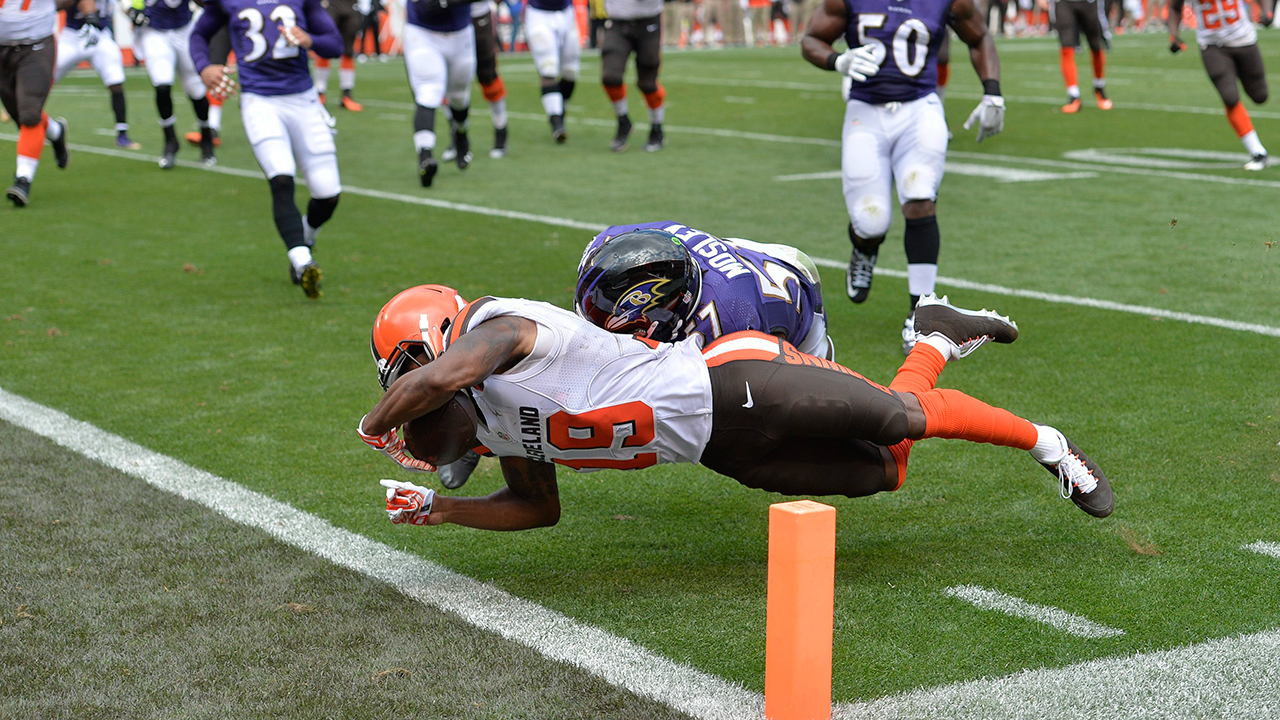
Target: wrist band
831 60
990 87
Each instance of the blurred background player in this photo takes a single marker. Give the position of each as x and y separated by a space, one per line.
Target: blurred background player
28 56
1229 48
370 29
1069 17
88 37
634 26
349 21
219 52
552 29
164 41
895 128
495 91
283 118
440 55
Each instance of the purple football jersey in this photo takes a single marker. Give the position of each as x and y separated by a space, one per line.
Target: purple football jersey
267 64
168 14
77 20
742 288
428 14
907 35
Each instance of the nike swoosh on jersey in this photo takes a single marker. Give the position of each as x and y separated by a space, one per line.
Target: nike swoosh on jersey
749 402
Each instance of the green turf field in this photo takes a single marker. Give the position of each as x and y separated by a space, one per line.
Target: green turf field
157 306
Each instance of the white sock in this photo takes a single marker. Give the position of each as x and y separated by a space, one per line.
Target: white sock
657 114
922 278
168 122
1099 83
27 167
322 80
424 140
553 103
54 130
1051 445
939 342
215 117
1253 144
498 112
299 256
347 78
620 107
1073 91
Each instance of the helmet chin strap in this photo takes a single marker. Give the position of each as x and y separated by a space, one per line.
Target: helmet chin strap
653 327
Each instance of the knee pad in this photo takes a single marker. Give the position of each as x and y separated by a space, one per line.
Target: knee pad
870 216
918 182
429 94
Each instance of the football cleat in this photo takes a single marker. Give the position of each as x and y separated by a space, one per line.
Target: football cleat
909 335
558 132
455 474
619 141
857 279
1072 106
1104 103
125 143
1081 481
656 139
450 153
169 159
965 330
20 192
309 277
349 103
463 144
499 144
60 145
193 138
426 167
1257 162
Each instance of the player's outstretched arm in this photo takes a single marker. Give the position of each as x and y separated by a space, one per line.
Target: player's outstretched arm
969 24
531 499
1175 24
492 346
326 40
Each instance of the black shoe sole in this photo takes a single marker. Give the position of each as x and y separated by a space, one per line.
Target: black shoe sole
427 174
961 326
17 197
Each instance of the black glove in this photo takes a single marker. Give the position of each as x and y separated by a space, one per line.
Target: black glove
137 15
1176 46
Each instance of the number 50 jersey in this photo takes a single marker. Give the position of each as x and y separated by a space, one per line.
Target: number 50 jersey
906 35
589 399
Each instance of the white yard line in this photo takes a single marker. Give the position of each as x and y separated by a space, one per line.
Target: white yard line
996 172
825 262
1265 548
1017 607
1230 677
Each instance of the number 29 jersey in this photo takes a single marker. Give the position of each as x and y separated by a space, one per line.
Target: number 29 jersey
906 35
589 399
1225 23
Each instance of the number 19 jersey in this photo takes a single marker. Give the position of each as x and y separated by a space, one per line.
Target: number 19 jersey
906 35
589 399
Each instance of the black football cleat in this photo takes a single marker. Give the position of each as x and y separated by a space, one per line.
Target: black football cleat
967 330
20 193
499 149
207 158
558 132
309 277
857 279
426 167
1081 480
619 142
168 159
463 145
60 155
455 474
656 139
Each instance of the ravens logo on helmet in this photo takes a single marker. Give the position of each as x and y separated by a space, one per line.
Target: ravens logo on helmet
640 282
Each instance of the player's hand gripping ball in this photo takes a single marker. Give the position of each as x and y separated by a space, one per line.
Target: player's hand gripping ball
408 503
390 444
445 434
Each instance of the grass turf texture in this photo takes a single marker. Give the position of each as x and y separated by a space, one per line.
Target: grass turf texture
226 366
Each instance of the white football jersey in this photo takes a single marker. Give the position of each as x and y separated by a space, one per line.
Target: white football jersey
1224 23
590 399
25 21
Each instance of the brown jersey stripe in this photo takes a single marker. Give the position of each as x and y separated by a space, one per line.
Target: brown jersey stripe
462 321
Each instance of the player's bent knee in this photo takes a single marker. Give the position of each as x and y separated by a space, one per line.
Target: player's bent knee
611 81
919 183
870 216
429 95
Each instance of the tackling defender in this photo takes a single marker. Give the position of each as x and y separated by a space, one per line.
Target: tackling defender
283 118
440 56
165 45
87 37
894 125
28 55
554 389
1229 48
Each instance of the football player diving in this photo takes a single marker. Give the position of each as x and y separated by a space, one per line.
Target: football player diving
553 389
895 129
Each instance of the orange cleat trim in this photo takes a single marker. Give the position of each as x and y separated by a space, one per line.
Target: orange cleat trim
1104 103
351 104
322 98
1072 107
193 138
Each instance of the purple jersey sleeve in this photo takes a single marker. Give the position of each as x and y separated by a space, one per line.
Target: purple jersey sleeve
210 22
907 36
742 289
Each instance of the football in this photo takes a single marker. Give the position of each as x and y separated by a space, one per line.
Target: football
444 434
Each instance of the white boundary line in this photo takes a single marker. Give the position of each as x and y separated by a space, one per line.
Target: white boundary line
987 599
825 262
617 660
1265 548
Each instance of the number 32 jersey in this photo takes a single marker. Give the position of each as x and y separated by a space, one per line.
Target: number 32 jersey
589 399
906 35
267 64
